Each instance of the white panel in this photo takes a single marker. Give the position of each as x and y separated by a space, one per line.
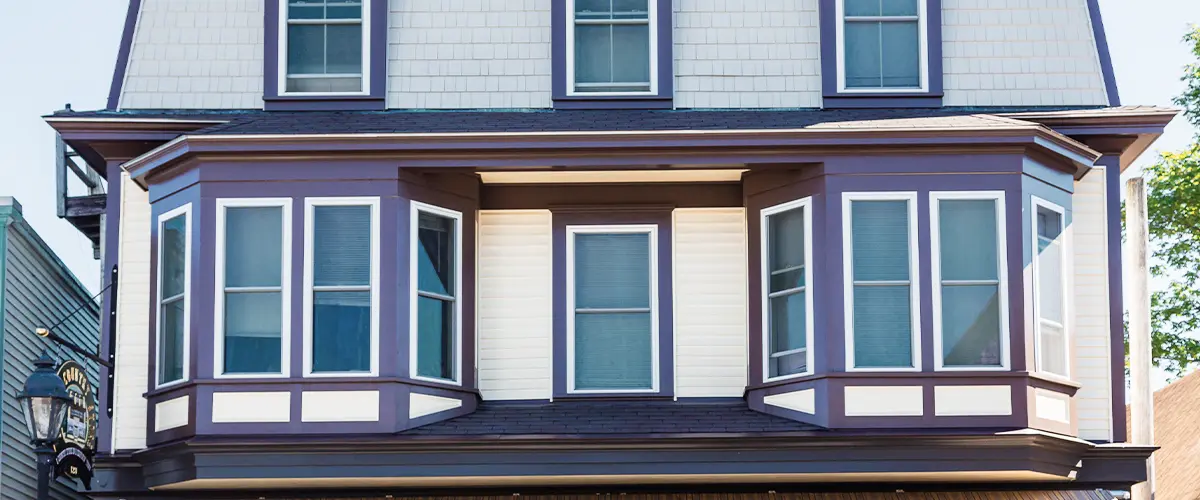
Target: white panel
585 176
802 401
1052 405
475 54
905 400
171 413
133 320
514 304
747 54
1020 53
710 302
229 407
1093 359
420 405
196 54
339 406
972 400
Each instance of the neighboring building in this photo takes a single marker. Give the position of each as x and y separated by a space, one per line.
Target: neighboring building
1177 461
36 291
461 247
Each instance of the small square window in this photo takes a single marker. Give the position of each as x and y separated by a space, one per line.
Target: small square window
612 47
882 44
324 46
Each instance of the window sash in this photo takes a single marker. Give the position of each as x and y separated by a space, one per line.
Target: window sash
450 358
922 49
284 73
1056 244
771 355
182 338
622 88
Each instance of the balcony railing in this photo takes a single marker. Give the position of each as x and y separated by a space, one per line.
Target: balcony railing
81 192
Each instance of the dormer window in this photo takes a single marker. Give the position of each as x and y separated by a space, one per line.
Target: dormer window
324 46
882 45
612 47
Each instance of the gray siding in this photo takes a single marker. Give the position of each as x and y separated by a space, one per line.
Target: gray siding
37 291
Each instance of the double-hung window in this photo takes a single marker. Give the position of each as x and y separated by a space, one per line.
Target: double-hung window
436 272
323 46
882 301
174 278
612 47
881 44
612 305
970 289
1049 278
341 294
253 266
787 315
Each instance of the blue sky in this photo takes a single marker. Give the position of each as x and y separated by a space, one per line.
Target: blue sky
62 51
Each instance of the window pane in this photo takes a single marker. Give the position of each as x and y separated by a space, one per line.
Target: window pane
593 53
344 46
898 7
901 46
341 338
785 239
435 338
788 333
435 254
880 240
306 9
613 351
170 346
968 235
787 280
346 84
631 53
320 9
253 332
1050 285
174 256
306 49
341 245
882 326
612 9
343 10
971 325
1053 344
863 55
612 270
861 7
253 246
593 9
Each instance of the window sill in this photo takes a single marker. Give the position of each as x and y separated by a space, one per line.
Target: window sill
612 396
324 103
613 102
882 100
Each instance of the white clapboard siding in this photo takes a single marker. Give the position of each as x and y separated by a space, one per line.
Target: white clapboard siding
1092 356
133 320
514 301
710 302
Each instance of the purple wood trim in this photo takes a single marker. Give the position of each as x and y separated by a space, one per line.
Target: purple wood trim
122 65
666 75
829 64
666 350
112 226
1116 304
376 100
1106 64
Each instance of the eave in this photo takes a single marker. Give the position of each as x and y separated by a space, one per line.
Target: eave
1126 132
101 140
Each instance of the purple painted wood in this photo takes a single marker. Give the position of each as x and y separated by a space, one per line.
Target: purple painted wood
1116 301
1106 64
122 65
112 226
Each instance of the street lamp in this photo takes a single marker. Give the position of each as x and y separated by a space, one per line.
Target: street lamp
45 401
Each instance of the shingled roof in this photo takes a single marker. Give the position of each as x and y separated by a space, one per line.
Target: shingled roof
611 418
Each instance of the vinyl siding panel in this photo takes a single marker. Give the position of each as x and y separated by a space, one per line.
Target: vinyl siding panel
514 304
710 302
1091 336
38 292
133 320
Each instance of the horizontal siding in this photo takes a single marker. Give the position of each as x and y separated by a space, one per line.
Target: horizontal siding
133 321
514 301
710 302
1091 347
38 292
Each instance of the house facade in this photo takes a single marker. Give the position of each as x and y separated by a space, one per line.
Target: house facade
591 247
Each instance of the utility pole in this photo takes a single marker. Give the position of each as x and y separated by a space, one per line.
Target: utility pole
1137 276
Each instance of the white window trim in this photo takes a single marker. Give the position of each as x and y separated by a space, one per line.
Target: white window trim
285 204
648 229
922 34
416 208
186 212
652 5
765 265
282 46
914 272
935 252
309 205
1068 262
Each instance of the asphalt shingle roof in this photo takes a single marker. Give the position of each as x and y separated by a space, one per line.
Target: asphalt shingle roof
611 418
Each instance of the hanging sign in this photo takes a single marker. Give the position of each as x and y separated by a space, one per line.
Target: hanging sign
76 445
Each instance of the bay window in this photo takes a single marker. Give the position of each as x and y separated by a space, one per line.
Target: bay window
612 308
1049 278
787 295
174 278
324 46
436 275
611 47
341 295
881 294
969 280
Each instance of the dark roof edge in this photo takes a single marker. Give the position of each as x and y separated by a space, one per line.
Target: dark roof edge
122 64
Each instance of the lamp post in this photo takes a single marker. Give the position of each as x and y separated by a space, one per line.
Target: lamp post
45 400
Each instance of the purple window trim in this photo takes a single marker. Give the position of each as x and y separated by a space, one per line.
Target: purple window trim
931 98
118 78
1106 65
273 101
660 216
666 76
